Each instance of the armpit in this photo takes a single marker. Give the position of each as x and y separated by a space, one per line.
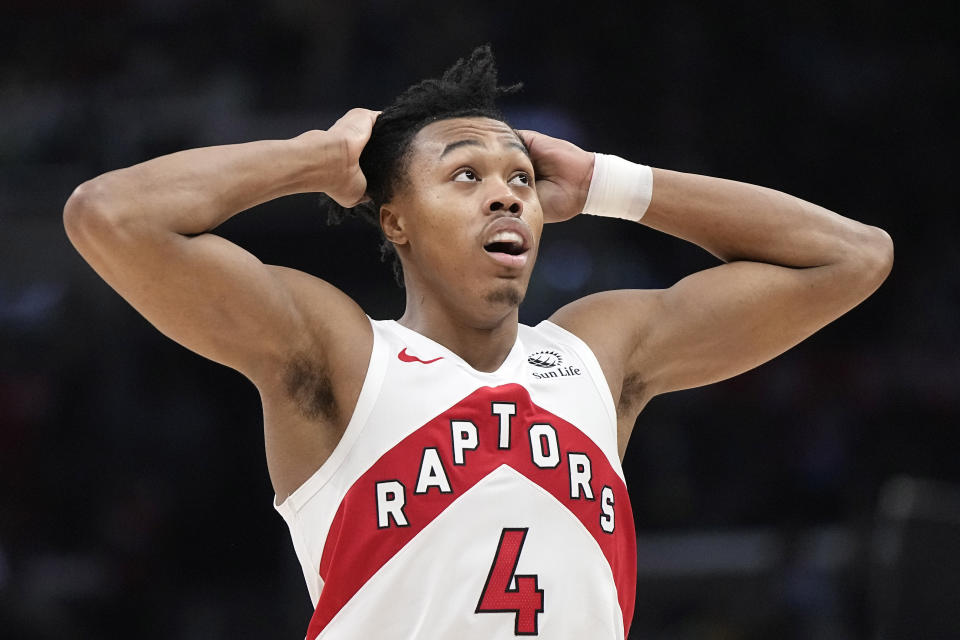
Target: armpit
309 385
631 394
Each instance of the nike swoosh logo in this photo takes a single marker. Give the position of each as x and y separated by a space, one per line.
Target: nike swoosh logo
406 357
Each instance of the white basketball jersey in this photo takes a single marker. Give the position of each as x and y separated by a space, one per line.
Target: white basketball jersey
470 505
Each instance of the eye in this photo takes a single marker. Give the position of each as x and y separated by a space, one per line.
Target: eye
466 175
521 179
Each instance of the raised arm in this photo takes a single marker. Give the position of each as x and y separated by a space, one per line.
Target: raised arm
146 230
791 268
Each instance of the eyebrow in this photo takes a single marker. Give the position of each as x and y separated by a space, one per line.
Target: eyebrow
476 143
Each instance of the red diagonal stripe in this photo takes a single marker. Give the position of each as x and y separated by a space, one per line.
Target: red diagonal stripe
355 548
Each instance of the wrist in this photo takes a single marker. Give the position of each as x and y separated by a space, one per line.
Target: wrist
318 159
619 188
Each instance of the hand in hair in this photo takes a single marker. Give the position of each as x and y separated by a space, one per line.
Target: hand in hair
340 146
563 172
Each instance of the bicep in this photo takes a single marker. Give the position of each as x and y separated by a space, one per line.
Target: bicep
204 292
724 321
708 327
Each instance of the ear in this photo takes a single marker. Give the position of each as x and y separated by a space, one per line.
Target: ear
392 223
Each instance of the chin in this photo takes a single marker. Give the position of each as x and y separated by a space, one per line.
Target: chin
509 295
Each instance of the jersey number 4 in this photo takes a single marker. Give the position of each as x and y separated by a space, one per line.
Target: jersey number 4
525 599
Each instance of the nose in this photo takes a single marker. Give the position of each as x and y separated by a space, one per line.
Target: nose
505 202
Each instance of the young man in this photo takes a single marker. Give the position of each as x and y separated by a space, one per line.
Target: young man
454 473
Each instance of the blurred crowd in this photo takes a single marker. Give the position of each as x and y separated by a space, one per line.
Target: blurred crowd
133 493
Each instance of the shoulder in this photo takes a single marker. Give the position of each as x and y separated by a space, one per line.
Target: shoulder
310 389
610 319
331 342
326 314
615 326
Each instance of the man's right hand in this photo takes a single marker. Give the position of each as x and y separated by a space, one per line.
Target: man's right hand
341 145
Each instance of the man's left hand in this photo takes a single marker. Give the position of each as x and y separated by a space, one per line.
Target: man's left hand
563 172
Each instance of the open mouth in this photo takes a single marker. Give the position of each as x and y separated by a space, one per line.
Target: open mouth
508 242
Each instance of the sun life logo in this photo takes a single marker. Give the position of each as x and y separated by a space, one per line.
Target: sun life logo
545 359
552 361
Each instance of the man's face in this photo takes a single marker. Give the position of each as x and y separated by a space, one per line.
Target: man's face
470 215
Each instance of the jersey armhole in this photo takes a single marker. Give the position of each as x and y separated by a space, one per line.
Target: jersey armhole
372 382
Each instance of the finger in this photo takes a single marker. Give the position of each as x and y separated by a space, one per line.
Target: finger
361 112
358 118
367 115
528 135
359 122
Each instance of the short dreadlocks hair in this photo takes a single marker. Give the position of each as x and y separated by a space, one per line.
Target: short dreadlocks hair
468 89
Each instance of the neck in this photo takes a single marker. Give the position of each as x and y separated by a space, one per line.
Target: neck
484 342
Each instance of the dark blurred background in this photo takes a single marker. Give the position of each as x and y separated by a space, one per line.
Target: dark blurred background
815 497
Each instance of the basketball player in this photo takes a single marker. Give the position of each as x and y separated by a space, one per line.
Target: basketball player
453 474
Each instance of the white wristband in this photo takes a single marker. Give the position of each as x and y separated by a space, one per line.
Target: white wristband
619 188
